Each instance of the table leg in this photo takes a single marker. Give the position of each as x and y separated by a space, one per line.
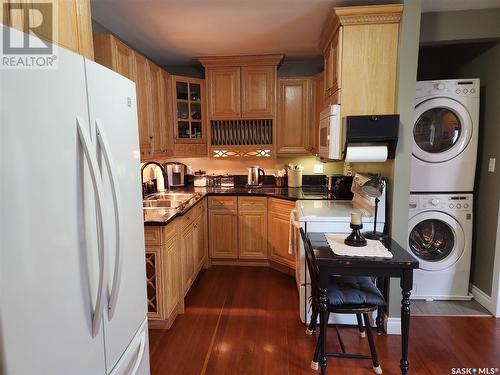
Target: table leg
323 310
406 286
381 286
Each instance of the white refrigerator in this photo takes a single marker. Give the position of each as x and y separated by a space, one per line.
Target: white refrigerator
72 269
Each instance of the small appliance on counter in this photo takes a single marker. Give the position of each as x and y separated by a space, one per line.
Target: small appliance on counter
227 181
175 173
200 178
255 176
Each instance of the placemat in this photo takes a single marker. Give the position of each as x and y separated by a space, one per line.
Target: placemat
373 248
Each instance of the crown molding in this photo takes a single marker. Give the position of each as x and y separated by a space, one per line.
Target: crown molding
210 61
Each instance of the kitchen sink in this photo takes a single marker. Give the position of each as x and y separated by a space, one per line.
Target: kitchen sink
167 200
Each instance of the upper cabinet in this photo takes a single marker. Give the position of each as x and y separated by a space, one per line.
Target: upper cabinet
360 47
294 116
72 20
257 91
241 87
224 92
153 91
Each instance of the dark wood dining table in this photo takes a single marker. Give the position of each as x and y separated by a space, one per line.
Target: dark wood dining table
401 266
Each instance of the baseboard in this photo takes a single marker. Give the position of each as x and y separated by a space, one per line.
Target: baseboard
482 298
392 326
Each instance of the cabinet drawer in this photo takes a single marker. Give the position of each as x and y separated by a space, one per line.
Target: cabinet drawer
221 203
280 206
195 212
152 235
252 203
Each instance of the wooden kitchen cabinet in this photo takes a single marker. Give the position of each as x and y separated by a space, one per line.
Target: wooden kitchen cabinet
116 55
359 76
224 92
257 91
241 86
73 20
144 105
317 107
223 237
278 232
153 91
294 116
163 278
252 227
187 248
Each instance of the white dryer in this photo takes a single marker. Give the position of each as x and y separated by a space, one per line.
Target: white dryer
445 134
440 234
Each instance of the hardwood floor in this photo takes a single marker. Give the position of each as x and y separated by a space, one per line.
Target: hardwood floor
241 320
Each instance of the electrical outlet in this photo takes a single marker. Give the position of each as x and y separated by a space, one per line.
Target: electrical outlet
491 165
318 168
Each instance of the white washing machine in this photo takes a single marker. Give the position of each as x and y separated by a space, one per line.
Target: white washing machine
440 236
445 134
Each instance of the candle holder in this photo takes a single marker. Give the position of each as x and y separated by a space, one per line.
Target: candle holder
355 239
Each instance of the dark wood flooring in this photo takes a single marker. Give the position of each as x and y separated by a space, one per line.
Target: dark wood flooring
241 320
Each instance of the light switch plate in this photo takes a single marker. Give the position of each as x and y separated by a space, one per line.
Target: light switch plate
491 165
318 168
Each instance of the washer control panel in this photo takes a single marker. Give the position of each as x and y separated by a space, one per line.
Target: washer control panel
462 87
455 202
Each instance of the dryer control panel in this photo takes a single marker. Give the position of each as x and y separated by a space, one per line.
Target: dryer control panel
442 202
449 88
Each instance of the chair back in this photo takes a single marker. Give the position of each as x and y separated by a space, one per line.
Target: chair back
311 264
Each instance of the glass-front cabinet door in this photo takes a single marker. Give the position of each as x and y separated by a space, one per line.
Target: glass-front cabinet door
189 114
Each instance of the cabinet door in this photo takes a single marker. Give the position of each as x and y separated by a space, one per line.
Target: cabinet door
187 247
157 128
317 107
294 116
257 92
333 66
124 60
252 234
163 138
278 238
172 277
198 249
143 104
154 282
224 93
73 21
223 227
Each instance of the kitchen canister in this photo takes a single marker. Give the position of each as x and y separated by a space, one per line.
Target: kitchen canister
294 177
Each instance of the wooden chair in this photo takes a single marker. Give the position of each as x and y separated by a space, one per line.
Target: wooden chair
346 295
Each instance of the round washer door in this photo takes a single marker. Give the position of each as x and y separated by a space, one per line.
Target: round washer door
441 131
436 239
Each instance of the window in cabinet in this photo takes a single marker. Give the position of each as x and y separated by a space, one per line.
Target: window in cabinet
189 114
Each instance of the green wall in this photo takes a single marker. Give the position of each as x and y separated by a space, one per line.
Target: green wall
407 75
487 189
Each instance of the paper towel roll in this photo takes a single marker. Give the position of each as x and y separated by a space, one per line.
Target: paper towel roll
366 154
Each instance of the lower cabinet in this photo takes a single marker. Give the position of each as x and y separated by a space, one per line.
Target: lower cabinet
175 253
223 233
279 232
252 227
163 265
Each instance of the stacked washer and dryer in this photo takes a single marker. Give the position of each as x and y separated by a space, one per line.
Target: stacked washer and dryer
445 138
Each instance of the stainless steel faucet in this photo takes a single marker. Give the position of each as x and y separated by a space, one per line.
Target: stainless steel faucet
165 178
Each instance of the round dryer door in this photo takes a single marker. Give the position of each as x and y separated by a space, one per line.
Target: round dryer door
442 130
436 239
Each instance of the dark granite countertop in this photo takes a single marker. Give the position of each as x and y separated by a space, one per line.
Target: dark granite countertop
163 216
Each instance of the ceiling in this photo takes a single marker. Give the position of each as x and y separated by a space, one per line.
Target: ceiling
450 5
175 32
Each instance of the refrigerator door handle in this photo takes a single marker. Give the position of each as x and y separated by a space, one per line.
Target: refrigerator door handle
99 193
140 354
110 166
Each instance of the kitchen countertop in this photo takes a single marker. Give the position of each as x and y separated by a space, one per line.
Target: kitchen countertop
163 216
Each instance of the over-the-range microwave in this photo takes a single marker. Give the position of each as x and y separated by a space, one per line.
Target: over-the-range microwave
330 133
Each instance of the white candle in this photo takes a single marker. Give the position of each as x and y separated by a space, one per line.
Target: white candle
356 218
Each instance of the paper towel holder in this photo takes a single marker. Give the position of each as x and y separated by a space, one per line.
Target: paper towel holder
372 130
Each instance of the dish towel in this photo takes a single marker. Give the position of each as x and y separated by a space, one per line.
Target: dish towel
373 248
